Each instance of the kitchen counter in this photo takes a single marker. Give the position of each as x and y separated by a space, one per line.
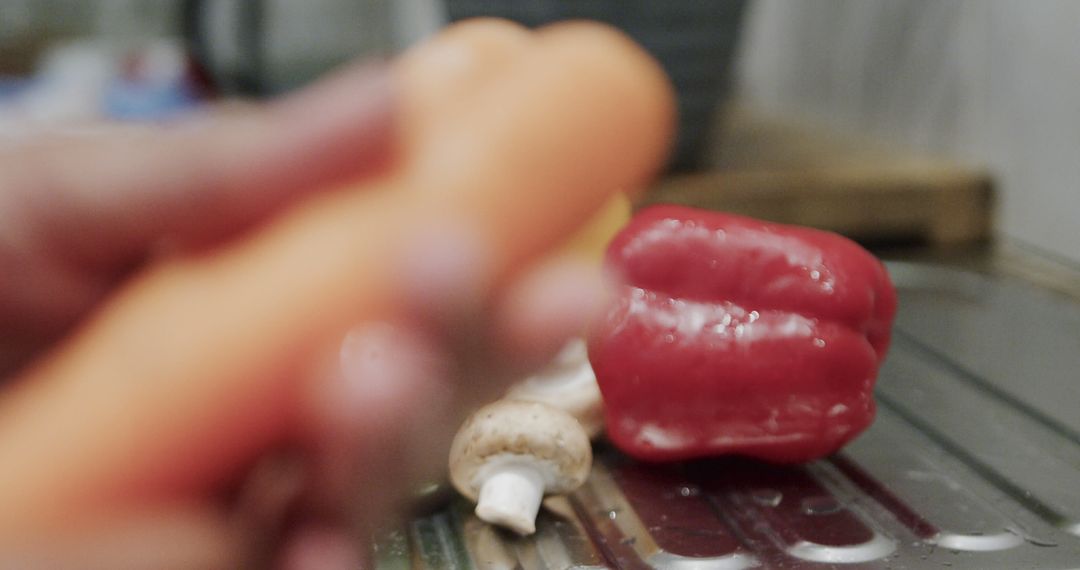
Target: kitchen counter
973 461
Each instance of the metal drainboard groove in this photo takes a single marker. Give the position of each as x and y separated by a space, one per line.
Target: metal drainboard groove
962 469
661 516
1037 466
455 538
789 518
438 543
1013 338
560 541
392 551
488 547
935 497
1014 490
980 384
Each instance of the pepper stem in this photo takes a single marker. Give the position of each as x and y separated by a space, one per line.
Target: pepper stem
510 497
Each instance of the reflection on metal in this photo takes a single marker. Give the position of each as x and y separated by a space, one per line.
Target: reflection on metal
976 543
562 541
907 468
877 547
614 505
968 466
669 561
487 545
1034 464
392 551
438 543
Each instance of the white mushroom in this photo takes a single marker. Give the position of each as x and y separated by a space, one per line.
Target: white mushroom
511 453
569 384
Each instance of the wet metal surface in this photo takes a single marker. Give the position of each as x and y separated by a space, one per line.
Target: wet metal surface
973 463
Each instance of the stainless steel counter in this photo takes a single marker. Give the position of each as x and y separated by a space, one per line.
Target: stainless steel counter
973 462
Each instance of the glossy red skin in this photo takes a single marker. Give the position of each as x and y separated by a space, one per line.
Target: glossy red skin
735 336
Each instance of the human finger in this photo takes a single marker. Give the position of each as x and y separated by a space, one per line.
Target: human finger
79 213
103 200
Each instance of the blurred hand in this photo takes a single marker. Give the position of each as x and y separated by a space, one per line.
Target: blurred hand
173 299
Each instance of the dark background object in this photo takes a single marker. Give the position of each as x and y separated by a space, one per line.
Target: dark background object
695 41
258 49
250 79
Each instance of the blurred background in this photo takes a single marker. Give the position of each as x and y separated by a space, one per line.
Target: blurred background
942 130
896 122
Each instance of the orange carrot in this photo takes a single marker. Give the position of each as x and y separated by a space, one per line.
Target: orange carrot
193 368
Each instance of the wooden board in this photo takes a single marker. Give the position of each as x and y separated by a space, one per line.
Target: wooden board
798 174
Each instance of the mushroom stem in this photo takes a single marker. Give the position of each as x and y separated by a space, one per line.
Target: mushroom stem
510 453
510 497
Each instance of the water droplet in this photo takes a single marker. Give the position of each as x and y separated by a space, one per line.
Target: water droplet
815 275
669 338
429 488
819 342
767 497
613 514
689 491
754 315
820 506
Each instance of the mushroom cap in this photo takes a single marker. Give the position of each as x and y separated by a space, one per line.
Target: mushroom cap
521 432
568 384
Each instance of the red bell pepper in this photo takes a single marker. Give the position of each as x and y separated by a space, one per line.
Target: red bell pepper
729 335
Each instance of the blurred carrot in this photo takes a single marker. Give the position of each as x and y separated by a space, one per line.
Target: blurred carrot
195 366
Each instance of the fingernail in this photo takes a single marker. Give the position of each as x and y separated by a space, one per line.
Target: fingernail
392 382
549 305
445 272
386 370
